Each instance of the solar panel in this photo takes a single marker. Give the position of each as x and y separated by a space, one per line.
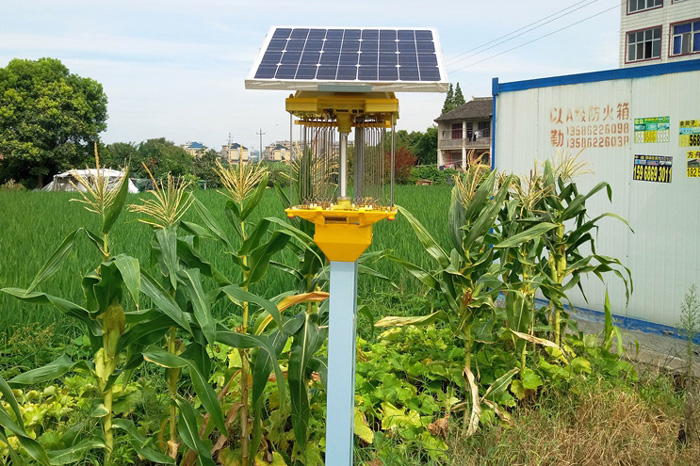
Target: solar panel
364 59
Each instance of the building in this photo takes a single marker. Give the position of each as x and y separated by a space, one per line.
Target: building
277 152
465 129
234 153
194 148
659 31
638 128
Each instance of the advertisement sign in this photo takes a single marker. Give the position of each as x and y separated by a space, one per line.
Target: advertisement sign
655 129
654 168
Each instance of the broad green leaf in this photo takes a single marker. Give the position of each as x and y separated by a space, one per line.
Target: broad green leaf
131 275
362 429
212 224
306 342
200 303
50 371
140 443
31 446
55 261
207 395
527 235
192 258
260 257
75 452
397 321
530 380
252 202
500 384
68 308
254 238
9 398
189 431
169 262
146 333
163 301
239 295
112 213
487 216
430 245
241 340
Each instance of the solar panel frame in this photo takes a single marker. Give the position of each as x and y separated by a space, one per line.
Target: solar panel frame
367 59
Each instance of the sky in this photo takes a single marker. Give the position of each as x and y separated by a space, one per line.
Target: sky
176 68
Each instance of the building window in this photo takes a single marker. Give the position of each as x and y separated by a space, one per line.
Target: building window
457 131
686 38
484 129
639 5
644 45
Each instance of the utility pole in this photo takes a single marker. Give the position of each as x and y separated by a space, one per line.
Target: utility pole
260 156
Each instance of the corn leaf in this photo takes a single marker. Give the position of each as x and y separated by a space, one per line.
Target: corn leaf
140 443
169 262
526 235
428 242
75 452
55 261
111 215
50 371
189 431
252 202
207 395
213 225
396 321
200 303
163 301
131 275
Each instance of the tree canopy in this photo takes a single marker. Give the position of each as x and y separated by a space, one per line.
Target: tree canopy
159 155
49 119
453 99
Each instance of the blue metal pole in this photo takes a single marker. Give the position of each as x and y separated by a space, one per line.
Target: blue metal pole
340 415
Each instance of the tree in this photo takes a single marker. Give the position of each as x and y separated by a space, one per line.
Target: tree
459 97
425 147
49 119
205 166
449 100
162 157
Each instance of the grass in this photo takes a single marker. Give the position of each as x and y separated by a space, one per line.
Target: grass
33 224
595 422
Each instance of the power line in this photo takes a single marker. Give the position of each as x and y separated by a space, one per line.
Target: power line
507 37
536 39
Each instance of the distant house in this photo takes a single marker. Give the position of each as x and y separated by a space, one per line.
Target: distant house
277 152
194 148
465 129
234 153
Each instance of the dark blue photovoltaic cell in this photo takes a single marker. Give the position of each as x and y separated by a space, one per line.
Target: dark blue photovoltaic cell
310 58
388 59
369 58
407 35
347 73
370 34
350 54
291 58
306 72
369 45
326 72
277 45
317 34
286 72
329 58
425 46
427 59
334 34
367 73
271 58
266 72
352 34
424 35
281 33
349 59
299 33
388 73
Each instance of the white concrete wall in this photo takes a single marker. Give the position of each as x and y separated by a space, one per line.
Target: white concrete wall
663 253
673 11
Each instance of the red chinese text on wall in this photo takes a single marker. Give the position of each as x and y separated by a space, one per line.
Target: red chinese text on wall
590 126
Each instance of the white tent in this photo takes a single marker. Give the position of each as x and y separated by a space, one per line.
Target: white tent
66 181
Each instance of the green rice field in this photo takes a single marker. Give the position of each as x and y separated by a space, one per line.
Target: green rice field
33 224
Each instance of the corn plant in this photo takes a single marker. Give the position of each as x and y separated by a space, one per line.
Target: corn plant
566 245
465 281
103 318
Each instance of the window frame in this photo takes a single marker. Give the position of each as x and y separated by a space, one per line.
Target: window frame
457 131
643 9
672 37
484 128
627 43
